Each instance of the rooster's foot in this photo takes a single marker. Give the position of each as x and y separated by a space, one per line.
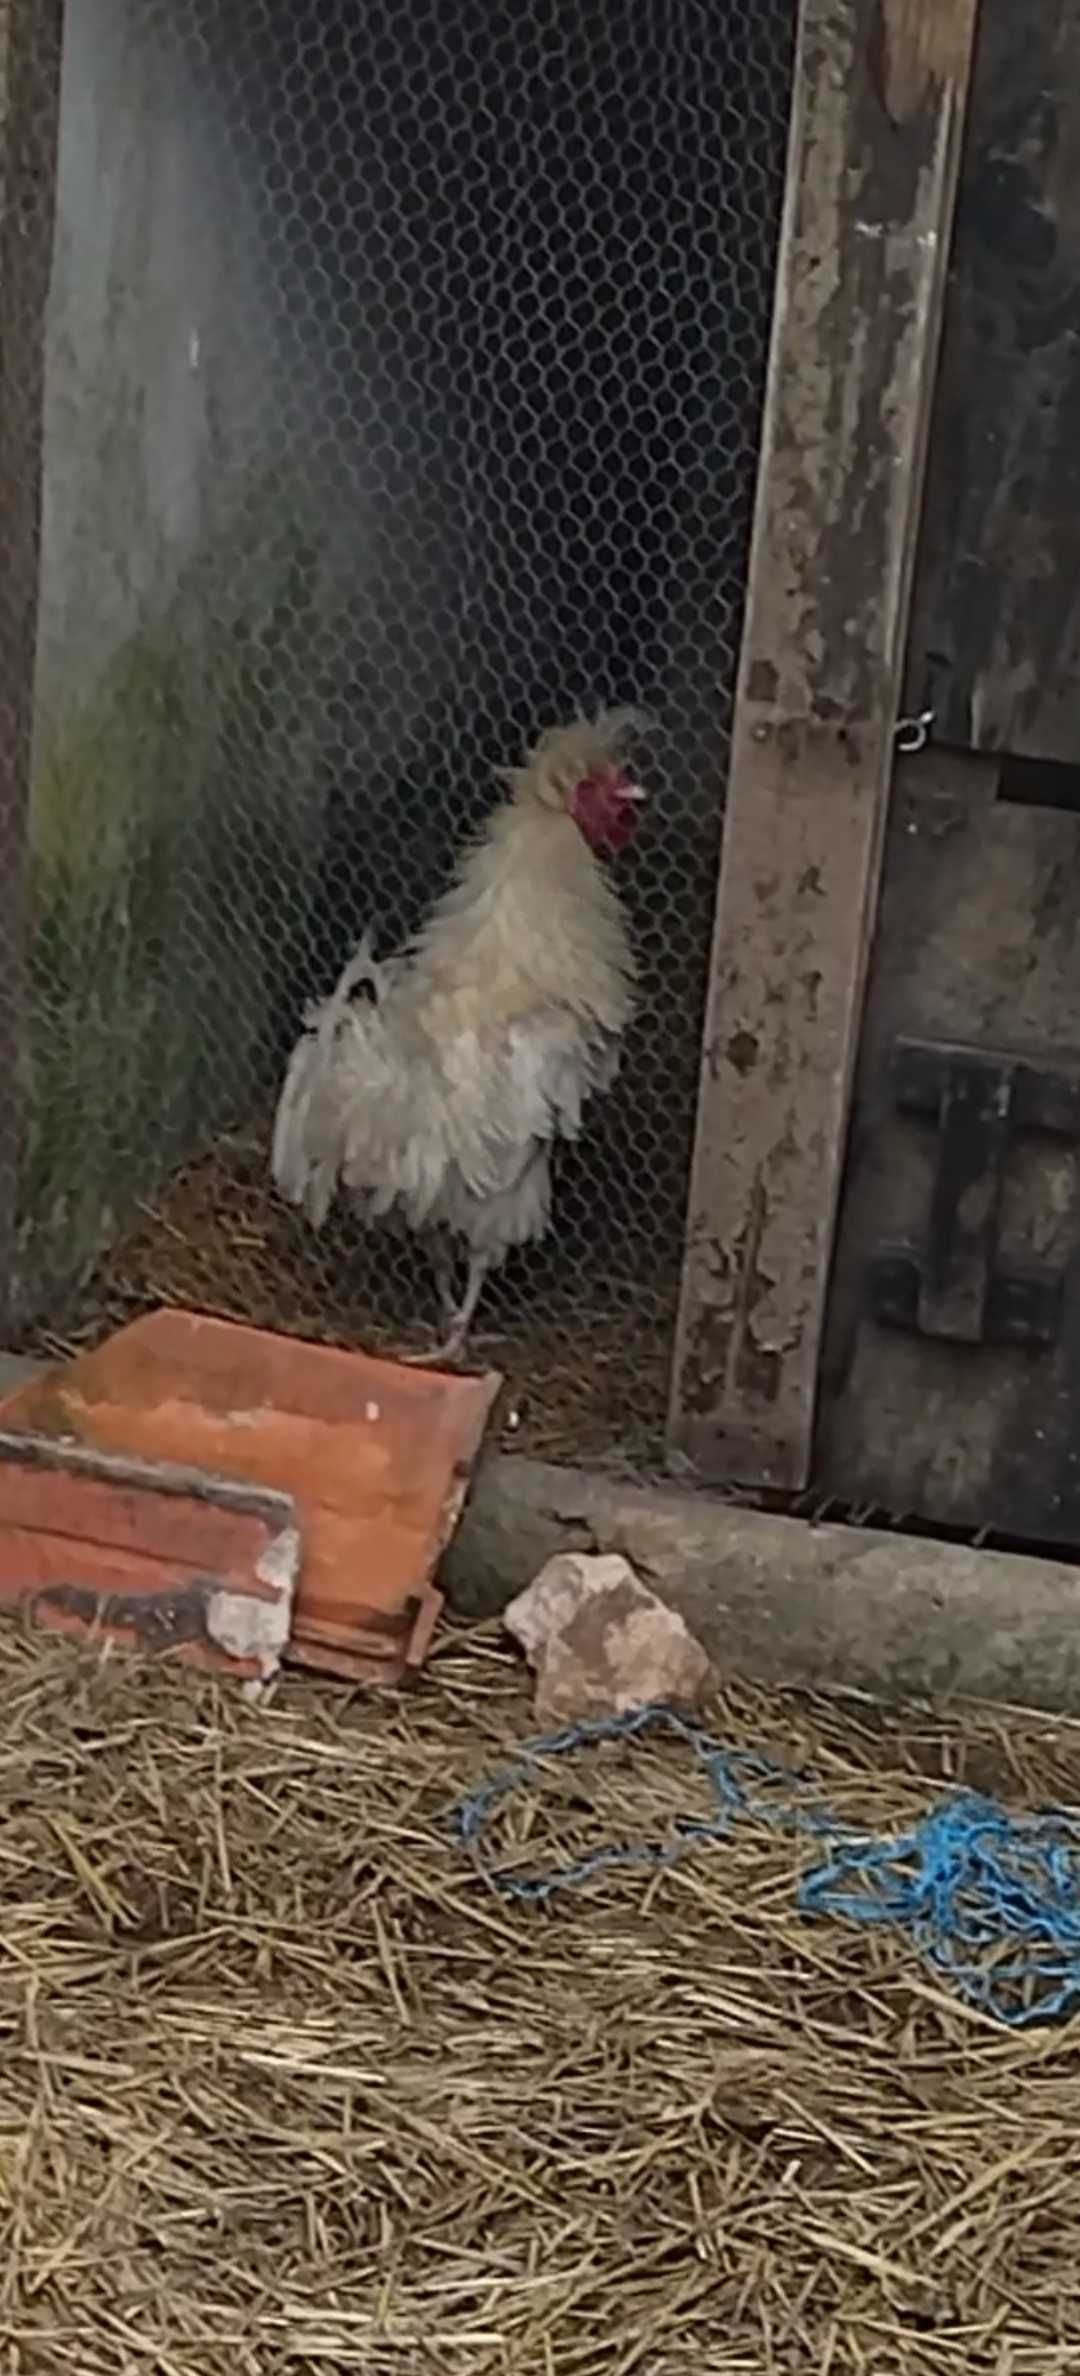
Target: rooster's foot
460 1322
436 1356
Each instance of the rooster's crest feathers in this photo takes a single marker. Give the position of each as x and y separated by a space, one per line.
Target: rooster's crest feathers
563 755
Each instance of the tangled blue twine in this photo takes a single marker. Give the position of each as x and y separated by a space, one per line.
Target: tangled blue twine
990 1900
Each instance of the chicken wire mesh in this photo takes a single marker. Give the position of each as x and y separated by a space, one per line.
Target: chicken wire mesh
404 373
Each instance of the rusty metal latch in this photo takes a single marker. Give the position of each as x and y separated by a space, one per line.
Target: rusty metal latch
954 1285
913 734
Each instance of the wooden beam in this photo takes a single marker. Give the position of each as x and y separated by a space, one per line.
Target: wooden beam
30 44
880 89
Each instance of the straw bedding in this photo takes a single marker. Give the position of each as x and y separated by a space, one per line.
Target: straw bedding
284 2088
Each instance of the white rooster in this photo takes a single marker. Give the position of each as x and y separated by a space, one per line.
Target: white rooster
441 1098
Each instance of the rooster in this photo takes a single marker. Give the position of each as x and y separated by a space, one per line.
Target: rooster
440 1097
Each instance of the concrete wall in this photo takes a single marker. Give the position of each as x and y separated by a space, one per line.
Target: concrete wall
158 344
160 341
213 373
221 539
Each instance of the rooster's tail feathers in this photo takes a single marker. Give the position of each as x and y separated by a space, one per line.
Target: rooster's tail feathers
305 1175
307 1144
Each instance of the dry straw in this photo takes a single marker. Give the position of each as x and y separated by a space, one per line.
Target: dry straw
284 2089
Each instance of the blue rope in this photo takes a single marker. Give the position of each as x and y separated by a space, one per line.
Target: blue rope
991 1900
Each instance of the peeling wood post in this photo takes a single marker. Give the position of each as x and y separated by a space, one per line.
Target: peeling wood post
880 89
30 46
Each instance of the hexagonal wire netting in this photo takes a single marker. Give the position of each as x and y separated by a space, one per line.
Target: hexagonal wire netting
404 375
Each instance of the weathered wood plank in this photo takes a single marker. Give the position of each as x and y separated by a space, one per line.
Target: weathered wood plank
927 1409
30 45
995 646
880 89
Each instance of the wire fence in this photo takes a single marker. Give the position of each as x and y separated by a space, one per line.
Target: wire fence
404 372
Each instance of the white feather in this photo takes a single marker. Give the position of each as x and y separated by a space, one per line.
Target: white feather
441 1101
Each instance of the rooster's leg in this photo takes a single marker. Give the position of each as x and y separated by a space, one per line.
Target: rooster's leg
479 1267
445 1268
453 1344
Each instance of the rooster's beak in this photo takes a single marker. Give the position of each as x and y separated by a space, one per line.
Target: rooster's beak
634 792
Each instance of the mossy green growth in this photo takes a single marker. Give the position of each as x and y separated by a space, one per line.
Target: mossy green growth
174 836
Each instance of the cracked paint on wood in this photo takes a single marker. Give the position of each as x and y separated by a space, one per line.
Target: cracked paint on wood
879 99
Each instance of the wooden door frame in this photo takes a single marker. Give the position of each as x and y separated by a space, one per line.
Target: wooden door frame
31 35
877 119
